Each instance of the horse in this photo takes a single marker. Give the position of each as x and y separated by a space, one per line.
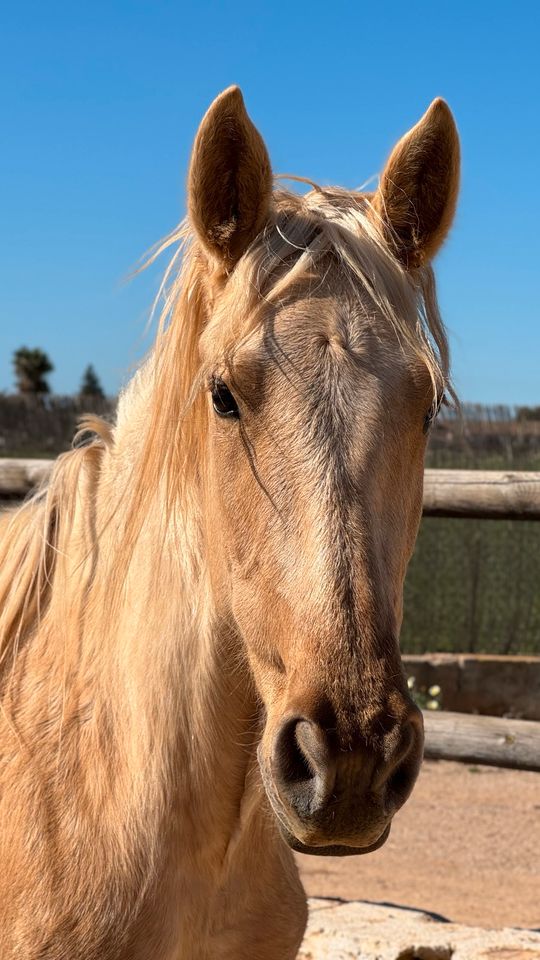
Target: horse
199 613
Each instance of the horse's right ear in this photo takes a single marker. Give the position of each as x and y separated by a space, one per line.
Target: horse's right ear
230 179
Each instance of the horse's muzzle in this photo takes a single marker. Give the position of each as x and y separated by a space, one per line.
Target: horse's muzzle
333 801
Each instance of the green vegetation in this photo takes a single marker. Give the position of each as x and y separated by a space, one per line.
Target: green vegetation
427 698
31 367
35 423
38 425
90 384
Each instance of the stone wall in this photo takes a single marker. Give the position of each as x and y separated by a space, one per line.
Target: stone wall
364 931
494 685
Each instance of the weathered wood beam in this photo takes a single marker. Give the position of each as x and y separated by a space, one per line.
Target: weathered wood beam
482 494
19 477
491 741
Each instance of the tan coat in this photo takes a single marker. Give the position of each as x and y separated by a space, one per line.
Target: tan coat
199 663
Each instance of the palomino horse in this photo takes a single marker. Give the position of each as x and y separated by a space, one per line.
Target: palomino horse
199 624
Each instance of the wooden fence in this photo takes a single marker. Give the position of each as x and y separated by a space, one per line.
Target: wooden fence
490 495
494 741
474 494
20 477
482 494
487 495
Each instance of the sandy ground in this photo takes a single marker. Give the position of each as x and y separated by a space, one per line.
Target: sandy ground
466 845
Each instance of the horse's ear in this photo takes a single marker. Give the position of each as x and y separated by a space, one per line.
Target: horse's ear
230 179
416 199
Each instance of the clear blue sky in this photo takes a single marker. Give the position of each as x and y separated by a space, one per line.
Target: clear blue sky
100 102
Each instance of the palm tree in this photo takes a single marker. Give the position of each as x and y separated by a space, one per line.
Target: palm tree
31 368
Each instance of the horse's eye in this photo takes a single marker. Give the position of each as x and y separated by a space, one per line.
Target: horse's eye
223 401
430 417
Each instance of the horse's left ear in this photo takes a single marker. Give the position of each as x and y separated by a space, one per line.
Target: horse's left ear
230 179
416 199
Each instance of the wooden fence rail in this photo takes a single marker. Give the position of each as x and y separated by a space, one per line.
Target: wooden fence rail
481 494
19 477
494 741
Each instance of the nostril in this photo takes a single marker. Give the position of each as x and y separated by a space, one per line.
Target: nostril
292 763
302 766
400 781
406 743
403 768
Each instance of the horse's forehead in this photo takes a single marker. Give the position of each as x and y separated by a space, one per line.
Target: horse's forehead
304 325
306 321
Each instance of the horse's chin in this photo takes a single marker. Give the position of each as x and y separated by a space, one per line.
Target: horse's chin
332 850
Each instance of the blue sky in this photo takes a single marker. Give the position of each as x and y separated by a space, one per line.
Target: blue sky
99 103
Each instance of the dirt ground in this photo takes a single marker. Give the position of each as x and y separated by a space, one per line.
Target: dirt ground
466 846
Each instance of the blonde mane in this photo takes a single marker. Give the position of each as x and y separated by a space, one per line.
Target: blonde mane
32 537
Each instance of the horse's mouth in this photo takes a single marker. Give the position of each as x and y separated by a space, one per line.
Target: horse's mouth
332 850
322 850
